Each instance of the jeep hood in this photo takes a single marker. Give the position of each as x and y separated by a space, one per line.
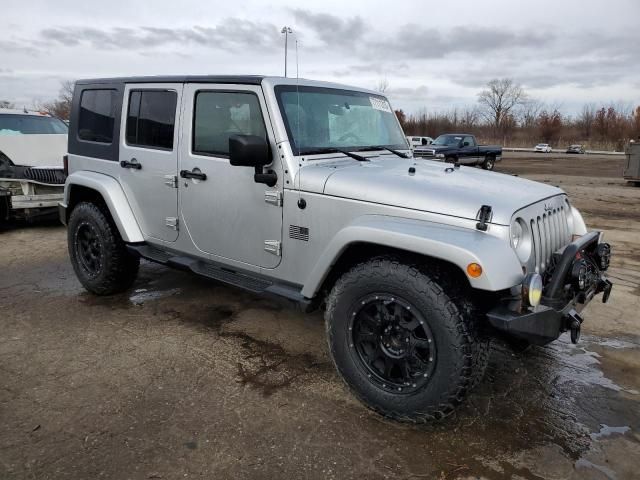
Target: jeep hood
459 193
34 150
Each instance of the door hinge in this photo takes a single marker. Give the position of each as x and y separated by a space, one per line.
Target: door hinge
171 181
273 246
171 222
273 197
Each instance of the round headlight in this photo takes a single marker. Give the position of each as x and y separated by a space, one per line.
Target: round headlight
532 289
516 234
521 239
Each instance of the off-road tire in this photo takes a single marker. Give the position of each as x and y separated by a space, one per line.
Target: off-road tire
489 163
462 354
117 267
450 160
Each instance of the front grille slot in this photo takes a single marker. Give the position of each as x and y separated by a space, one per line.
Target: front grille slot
45 175
550 232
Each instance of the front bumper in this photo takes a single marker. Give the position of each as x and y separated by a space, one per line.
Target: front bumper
562 300
19 202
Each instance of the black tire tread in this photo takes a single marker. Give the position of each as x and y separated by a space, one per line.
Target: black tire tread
123 266
472 357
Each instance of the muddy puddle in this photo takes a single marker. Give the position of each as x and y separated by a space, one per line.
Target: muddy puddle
555 396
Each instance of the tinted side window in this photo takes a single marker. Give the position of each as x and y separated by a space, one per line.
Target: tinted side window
218 115
151 118
97 115
470 141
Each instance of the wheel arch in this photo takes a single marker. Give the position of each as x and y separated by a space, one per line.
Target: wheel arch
451 247
106 191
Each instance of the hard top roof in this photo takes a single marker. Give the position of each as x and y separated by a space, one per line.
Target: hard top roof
237 79
228 79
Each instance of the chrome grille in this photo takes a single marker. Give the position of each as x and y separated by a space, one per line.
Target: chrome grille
550 231
424 153
46 175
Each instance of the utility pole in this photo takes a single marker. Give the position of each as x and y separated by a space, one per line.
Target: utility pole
286 30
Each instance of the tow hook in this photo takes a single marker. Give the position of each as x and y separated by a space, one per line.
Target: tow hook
574 323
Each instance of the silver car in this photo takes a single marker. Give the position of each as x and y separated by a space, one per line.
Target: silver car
308 190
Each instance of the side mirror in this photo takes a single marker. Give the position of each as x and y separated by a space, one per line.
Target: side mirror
465 144
252 151
248 151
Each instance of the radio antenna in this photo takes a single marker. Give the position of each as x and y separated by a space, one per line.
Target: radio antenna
300 167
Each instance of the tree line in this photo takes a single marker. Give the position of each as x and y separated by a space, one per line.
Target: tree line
507 115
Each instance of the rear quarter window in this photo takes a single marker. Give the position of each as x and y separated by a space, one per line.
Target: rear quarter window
96 120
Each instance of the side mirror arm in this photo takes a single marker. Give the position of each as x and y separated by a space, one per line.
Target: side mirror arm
270 178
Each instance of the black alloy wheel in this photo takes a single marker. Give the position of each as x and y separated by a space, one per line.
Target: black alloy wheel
89 249
392 343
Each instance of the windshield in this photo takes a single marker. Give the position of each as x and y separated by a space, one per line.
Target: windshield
11 124
447 140
324 119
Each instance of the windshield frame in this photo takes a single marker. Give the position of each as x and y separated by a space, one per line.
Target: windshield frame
279 89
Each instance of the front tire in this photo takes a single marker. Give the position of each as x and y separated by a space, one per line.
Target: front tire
98 254
400 343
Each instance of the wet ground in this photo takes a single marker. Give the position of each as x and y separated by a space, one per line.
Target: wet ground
186 378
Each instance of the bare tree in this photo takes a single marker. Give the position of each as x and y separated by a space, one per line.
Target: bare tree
586 120
61 106
6 104
499 99
550 125
382 85
529 111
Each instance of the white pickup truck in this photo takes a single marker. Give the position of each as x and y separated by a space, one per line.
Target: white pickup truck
32 146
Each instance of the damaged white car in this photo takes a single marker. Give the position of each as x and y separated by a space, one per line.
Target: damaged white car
32 147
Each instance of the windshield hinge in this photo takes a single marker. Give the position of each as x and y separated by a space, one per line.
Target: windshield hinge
273 197
171 181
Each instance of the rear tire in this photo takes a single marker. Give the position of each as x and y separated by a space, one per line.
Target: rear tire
489 163
98 254
400 343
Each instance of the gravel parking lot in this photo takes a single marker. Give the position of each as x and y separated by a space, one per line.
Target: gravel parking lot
185 378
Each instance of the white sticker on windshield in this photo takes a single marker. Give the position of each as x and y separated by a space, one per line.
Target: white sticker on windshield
380 104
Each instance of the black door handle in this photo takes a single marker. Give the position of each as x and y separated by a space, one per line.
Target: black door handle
131 164
195 173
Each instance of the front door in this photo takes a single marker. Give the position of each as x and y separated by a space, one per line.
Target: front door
227 214
469 151
149 156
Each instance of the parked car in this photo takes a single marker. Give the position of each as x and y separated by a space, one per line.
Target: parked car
461 148
32 146
419 141
576 148
303 189
543 148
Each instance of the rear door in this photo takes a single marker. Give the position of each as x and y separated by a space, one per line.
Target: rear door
149 156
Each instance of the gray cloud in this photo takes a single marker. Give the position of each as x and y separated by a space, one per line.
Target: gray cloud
331 29
233 34
418 42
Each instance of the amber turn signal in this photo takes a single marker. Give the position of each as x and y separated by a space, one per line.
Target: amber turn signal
474 270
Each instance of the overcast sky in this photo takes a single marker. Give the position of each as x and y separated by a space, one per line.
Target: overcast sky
434 55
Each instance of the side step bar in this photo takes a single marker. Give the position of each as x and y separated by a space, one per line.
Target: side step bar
245 280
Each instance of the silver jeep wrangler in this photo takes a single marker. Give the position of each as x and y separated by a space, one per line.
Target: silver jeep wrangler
308 190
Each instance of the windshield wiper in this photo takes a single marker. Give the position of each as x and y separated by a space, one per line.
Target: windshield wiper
382 147
355 156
